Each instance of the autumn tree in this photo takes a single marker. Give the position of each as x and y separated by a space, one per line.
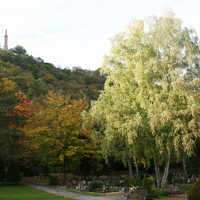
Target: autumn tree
152 89
56 132
15 109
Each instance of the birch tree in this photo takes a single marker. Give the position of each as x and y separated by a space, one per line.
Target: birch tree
152 89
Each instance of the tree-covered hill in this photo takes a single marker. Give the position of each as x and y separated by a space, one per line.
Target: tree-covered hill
35 77
32 91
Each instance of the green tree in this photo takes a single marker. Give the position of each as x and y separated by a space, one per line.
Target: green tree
36 77
152 89
19 50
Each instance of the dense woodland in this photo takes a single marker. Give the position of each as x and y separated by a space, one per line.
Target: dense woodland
34 95
79 121
35 78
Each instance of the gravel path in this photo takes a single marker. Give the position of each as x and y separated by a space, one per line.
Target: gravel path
63 193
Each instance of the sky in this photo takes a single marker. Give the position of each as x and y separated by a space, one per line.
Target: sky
77 33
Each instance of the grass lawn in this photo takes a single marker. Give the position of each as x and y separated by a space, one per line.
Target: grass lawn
26 193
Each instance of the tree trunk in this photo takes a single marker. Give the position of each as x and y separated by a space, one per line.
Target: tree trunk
130 169
157 172
136 166
184 167
166 172
64 172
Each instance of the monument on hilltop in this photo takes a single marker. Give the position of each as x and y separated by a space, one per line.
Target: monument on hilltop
5 41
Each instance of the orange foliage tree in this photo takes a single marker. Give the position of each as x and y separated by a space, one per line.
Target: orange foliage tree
56 132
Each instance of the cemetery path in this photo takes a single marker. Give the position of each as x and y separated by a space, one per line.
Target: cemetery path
63 193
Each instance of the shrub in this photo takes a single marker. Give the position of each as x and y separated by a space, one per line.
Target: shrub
160 191
95 186
53 180
185 188
179 180
194 193
133 181
144 183
115 183
151 180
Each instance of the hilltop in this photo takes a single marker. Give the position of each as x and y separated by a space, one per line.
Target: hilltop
35 77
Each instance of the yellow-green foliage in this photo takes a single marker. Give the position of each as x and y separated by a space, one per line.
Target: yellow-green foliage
151 95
